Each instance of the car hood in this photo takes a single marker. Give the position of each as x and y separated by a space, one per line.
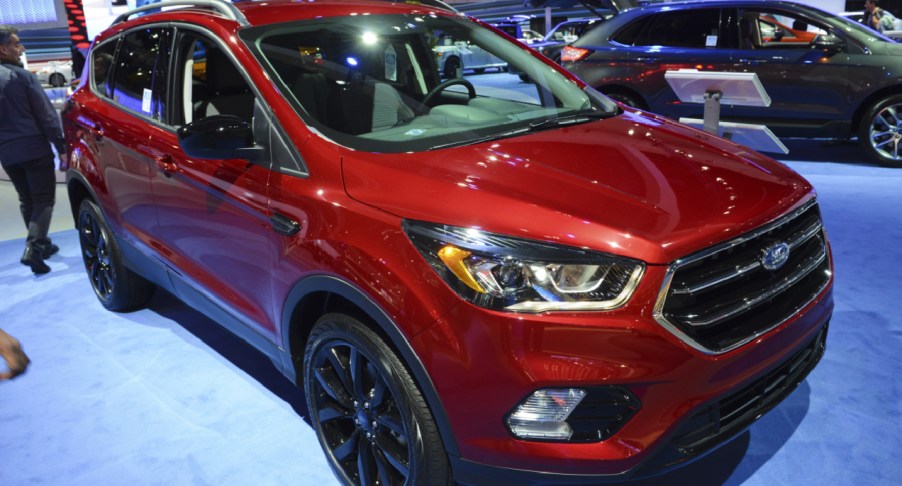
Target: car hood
633 185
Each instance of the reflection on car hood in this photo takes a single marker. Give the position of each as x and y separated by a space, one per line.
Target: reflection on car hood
632 185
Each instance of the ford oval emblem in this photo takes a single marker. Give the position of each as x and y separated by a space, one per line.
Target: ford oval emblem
774 256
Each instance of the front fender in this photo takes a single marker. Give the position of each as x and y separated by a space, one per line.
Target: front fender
330 285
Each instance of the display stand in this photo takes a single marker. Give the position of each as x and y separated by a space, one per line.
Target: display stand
713 88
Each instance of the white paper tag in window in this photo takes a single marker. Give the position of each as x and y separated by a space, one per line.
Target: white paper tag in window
391 64
711 41
145 102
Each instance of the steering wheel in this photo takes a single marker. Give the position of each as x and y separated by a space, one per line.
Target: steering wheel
471 91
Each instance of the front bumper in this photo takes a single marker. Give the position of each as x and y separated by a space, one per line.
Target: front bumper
700 432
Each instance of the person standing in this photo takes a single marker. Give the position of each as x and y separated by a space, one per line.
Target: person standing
28 126
877 18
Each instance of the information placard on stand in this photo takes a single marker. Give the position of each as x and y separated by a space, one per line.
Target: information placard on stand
714 88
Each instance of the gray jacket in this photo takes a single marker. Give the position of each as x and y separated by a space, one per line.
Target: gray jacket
28 122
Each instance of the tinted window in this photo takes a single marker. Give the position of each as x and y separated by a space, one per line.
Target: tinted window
102 63
629 34
135 65
684 28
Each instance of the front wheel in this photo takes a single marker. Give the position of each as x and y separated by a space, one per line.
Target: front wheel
370 418
118 288
451 67
880 131
57 80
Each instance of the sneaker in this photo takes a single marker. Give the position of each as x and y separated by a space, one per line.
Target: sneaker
32 258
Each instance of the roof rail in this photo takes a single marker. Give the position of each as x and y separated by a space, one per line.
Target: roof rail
225 8
431 3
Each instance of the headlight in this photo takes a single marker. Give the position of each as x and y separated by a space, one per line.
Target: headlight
515 274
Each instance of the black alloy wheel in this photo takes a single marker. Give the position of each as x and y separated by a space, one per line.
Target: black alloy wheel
117 287
370 418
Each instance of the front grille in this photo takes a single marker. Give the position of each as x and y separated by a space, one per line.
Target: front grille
723 297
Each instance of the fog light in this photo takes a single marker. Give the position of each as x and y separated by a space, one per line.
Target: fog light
544 414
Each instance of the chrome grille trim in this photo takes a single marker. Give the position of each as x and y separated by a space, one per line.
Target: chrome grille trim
798 286
752 301
799 239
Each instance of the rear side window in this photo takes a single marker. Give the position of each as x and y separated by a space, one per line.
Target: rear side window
134 71
630 34
697 28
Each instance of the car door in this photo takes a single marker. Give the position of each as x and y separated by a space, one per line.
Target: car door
808 87
213 214
672 40
125 107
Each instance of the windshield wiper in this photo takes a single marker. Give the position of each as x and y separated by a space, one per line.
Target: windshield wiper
571 119
488 138
557 121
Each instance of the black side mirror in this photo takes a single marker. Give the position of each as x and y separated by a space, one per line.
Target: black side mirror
828 43
219 137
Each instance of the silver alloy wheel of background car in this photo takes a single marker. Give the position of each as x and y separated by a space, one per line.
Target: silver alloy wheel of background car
881 131
57 80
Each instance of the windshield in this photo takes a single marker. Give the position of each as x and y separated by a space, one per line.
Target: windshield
400 83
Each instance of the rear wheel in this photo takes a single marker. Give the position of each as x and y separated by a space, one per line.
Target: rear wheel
627 99
117 287
880 131
370 418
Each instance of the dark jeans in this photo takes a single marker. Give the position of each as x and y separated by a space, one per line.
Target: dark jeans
35 182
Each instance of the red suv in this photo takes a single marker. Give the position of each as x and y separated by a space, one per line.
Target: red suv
473 279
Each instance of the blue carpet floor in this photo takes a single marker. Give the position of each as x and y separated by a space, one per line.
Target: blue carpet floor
163 396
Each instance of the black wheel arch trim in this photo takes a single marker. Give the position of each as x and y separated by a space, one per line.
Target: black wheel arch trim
350 292
75 177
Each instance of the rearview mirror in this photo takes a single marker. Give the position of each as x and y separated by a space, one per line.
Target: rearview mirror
219 137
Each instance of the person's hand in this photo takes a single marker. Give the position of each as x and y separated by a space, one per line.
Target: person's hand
64 162
11 352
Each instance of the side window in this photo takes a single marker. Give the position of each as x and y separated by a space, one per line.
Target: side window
628 35
101 65
775 29
136 63
208 82
684 28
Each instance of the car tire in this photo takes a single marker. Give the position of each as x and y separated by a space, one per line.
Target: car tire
57 80
626 99
880 131
451 66
370 418
118 288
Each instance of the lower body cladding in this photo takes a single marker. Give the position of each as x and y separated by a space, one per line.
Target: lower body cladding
647 401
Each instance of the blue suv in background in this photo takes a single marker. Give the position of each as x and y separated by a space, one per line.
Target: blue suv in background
845 82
